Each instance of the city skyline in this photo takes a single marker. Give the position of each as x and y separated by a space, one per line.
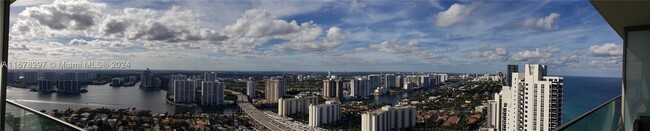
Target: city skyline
417 36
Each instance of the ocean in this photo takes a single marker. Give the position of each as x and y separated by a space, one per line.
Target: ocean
582 94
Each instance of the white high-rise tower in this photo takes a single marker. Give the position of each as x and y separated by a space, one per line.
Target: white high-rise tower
250 88
533 102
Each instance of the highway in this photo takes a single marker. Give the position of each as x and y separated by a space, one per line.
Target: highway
257 115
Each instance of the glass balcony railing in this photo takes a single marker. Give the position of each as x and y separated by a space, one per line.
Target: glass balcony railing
606 117
21 118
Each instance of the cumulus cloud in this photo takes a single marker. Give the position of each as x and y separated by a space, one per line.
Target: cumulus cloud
26 29
606 50
606 61
537 54
455 14
148 25
496 54
545 23
256 27
411 47
99 43
395 47
608 55
68 15
14 47
333 39
566 59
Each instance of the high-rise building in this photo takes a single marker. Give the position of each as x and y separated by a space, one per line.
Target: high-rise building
296 105
408 86
117 81
511 69
172 79
274 88
211 93
30 77
413 79
300 77
44 86
492 118
388 118
399 80
148 80
360 87
185 91
389 81
533 102
425 81
81 77
250 87
375 81
144 78
70 76
209 76
436 79
91 76
325 113
50 76
68 86
333 88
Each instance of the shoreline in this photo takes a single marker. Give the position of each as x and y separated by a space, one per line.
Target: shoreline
178 104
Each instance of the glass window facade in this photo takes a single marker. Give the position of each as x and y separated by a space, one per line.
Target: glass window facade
636 89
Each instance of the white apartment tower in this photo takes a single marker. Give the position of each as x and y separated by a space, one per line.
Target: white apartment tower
388 118
211 93
275 89
375 81
209 76
389 81
325 113
532 102
296 105
360 87
250 87
332 88
185 91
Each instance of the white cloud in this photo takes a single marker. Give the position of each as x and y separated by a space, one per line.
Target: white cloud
256 27
567 59
496 54
538 54
412 47
455 14
99 43
606 50
18 47
395 47
26 29
334 38
436 4
145 25
66 15
545 23
606 61
30 2
361 49
608 55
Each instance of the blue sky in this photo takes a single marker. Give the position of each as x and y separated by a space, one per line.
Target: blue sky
415 35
